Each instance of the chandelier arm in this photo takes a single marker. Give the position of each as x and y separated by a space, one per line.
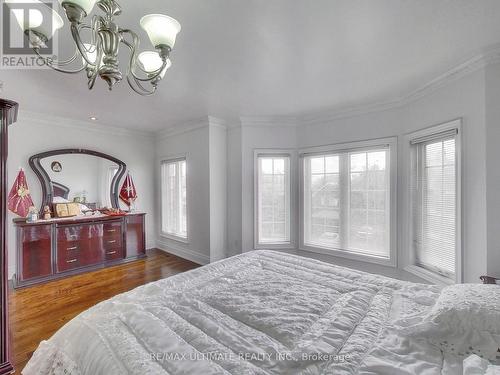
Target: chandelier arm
92 79
49 63
143 93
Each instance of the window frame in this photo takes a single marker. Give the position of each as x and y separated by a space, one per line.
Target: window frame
391 144
411 264
290 154
163 234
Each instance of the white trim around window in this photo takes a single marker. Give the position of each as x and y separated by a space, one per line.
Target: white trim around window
346 151
180 224
277 167
414 142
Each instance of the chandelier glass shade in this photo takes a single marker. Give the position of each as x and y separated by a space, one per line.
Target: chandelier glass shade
97 54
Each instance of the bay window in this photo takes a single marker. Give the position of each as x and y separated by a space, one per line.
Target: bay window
347 199
273 199
173 198
435 211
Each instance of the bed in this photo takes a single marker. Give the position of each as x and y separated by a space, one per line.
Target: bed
262 312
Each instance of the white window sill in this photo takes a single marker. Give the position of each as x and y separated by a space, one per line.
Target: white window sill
429 275
274 245
350 255
173 237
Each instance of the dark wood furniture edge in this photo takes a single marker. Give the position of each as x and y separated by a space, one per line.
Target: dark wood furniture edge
489 280
20 223
25 284
45 182
71 220
9 111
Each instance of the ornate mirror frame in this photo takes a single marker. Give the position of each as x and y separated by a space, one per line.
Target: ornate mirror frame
45 182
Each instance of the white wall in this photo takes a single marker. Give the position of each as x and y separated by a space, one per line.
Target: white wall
463 98
35 133
194 145
234 190
218 189
492 79
220 175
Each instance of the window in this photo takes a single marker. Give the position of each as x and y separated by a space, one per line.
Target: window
173 191
347 201
434 202
273 199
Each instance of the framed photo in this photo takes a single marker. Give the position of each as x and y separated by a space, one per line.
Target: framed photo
56 166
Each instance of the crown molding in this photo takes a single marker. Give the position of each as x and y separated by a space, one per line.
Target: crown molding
269 121
475 63
184 127
62 122
217 122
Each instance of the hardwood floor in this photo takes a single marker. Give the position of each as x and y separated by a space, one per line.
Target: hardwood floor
37 312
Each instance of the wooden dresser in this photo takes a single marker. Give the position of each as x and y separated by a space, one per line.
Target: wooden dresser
56 248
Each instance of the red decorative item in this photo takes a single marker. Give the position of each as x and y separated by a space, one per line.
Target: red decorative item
19 200
128 194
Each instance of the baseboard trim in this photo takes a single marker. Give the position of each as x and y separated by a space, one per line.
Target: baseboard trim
191 255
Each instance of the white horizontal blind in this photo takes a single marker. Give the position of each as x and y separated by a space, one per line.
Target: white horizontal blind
273 200
435 204
173 190
347 201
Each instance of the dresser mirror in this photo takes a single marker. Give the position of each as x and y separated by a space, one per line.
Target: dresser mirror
82 176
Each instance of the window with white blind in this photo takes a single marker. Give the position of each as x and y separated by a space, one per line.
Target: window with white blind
435 210
346 201
173 198
273 199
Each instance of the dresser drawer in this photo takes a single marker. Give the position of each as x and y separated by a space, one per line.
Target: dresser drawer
113 229
69 259
72 233
113 254
79 246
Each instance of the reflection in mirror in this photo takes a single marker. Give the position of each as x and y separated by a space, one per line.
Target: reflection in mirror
80 178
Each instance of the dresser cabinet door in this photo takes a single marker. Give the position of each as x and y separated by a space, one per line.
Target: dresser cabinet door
35 251
136 241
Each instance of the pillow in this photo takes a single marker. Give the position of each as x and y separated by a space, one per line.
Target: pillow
475 365
463 307
464 320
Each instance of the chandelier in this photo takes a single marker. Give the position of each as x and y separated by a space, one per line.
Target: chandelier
97 54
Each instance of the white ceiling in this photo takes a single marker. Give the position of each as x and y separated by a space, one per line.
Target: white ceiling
274 57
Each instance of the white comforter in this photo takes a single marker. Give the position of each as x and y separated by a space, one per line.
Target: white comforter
259 313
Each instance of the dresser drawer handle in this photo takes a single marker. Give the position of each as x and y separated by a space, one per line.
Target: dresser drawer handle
71 261
72 248
112 241
111 230
111 252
